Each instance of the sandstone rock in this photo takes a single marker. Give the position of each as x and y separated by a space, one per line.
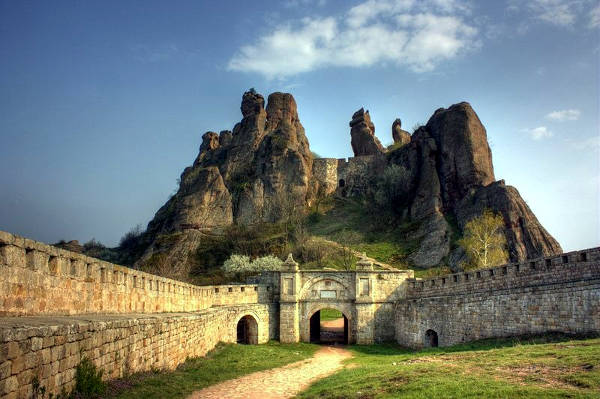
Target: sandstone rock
252 103
464 159
225 137
525 236
401 137
362 131
245 176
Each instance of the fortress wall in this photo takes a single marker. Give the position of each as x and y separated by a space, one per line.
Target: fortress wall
552 294
325 172
49 349
39 279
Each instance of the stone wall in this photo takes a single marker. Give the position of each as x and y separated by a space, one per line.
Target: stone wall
39 279
324 171
49 349
553 294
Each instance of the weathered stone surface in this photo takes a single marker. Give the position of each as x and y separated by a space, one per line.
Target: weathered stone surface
401 137
245 176
464 159
525 236
362 131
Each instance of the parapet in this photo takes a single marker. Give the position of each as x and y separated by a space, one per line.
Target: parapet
39 279
557 269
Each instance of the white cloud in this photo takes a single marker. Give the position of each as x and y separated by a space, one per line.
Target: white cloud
595 17
564 115
590 143
538 133
418 35
557 12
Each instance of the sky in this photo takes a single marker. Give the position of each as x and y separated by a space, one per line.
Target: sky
103 104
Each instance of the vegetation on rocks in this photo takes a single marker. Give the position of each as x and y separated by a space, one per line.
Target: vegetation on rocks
484 241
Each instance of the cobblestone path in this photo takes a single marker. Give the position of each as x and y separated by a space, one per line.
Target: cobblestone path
282 382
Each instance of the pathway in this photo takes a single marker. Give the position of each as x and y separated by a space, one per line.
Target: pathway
281 382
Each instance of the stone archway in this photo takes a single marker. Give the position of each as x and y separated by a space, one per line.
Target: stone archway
337 332
431 339
247 330
311 327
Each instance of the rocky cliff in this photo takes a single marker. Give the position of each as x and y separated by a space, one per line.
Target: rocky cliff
263 169
453 178
255 173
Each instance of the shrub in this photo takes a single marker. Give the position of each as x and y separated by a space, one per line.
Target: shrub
88 380
237 264
266 263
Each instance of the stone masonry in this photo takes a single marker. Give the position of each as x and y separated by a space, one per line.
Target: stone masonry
57 307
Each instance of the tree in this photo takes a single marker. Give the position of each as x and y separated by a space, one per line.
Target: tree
484 241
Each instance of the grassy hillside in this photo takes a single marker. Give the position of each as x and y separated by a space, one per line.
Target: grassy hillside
510 368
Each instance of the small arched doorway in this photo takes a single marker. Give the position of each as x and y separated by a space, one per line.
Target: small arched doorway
247 331
329 326
342 183
431 339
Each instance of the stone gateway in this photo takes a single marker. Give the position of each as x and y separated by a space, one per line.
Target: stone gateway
58 307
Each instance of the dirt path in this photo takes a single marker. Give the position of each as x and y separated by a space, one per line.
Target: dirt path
282 382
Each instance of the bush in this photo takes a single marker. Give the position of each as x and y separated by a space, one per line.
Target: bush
266 263
392 189
241 264
237 264
88 380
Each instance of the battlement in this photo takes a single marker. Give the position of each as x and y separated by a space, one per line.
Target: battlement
39 279
575 265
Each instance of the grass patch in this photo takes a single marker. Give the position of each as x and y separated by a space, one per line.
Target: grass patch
345 221
225 362
330 314
549 367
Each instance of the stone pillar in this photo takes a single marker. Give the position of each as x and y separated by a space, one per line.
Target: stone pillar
289 319
365 314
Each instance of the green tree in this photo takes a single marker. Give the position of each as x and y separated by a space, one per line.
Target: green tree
484 241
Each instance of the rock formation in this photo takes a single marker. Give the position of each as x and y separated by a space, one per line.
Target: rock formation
453 178
255 173
401 137
263 169
362 131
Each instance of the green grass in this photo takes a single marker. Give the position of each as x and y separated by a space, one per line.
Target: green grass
225 362
330 314
345 221
509 368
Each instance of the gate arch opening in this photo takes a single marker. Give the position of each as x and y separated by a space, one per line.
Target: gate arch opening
431 339
329 326
247 330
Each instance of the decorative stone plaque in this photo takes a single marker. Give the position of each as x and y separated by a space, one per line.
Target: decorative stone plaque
328 294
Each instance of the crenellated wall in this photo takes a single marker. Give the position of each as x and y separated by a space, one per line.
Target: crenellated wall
70 306
57 306
39 279
559 293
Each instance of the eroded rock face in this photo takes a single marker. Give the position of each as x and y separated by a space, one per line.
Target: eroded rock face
262 169
525 236
453 178
362 131
401 137
464 159
251 174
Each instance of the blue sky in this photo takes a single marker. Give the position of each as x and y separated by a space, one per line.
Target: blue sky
103 104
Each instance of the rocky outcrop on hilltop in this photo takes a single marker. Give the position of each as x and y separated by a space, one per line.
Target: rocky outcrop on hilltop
401 137
453 178
252 174
262 170
362 132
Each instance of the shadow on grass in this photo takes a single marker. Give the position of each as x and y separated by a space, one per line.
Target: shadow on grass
391 349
